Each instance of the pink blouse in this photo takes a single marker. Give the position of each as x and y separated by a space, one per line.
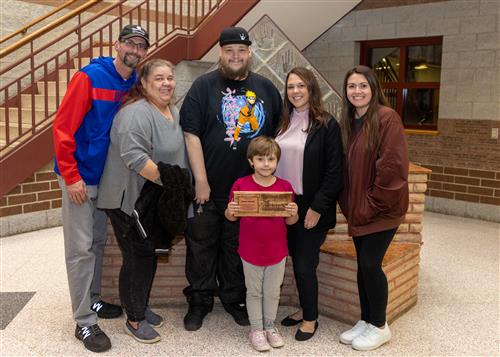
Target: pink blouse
292 143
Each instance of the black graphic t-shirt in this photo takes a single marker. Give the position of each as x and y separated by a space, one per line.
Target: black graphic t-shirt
226 115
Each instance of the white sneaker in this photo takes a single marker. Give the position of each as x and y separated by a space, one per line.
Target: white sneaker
372 338
274 338
258 340
349 335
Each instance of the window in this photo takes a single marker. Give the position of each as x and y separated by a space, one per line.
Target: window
409 71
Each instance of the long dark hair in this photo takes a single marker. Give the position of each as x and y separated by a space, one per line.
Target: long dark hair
370 126
317 115
138 92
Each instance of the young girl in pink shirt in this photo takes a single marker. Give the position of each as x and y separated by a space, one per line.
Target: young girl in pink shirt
262 243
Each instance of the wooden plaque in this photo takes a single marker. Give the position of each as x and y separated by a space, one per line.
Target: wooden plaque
262 204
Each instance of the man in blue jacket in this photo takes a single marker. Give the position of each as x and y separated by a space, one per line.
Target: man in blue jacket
81 139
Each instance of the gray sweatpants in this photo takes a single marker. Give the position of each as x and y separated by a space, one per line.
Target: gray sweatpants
84 228
263 291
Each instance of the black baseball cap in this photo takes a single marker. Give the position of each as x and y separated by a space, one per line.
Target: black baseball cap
134 31
234 35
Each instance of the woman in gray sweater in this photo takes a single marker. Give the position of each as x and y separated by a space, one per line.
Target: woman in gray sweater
145 131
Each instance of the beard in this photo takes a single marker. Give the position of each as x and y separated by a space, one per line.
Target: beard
131 61
229 73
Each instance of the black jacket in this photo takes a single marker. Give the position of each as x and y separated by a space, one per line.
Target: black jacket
160 211
322 176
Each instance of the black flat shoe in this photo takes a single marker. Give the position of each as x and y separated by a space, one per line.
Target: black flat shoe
288 321
304 336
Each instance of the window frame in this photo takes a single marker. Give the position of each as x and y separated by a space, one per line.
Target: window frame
402 84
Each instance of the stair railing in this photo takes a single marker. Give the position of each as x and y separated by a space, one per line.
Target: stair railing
162 18
36 21
53 25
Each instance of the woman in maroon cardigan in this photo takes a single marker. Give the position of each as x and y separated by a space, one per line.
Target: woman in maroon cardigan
375 196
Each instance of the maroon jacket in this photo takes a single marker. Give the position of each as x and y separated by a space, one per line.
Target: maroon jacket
375 195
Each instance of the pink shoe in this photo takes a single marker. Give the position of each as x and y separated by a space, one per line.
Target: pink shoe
258 340
274 338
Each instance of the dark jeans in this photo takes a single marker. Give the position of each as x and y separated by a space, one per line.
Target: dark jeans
372 282
212 259
138 265
303 246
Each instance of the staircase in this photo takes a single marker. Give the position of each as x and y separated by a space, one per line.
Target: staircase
179 29
41 104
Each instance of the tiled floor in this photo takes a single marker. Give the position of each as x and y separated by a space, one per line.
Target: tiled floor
457 313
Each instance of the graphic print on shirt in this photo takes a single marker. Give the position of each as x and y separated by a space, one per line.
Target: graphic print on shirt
242 114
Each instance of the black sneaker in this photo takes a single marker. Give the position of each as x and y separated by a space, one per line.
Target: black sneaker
93 338
105 310
195 315
239 312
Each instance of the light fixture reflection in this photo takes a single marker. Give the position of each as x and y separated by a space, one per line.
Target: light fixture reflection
421 66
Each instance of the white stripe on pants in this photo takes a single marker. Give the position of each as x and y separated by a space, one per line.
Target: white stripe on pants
263 291
83 242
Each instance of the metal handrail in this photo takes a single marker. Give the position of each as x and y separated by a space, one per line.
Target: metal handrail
36 21
57 39
9 49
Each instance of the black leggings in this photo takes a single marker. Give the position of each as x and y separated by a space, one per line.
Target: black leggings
303 246
139 264
372 282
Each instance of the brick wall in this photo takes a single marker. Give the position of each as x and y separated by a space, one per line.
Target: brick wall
465 184
469 94
38 192
465 163
33 204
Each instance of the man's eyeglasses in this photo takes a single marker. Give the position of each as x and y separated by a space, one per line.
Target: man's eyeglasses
140 46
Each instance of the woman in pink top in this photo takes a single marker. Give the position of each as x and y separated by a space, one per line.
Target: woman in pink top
262 244
312 160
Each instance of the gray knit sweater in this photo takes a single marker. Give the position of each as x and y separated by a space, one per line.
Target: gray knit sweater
139 132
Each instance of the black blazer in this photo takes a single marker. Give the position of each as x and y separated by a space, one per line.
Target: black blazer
322 176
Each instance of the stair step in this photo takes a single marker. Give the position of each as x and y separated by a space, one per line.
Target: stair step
85 61
39 101
63 74
51 87
13 130
25 113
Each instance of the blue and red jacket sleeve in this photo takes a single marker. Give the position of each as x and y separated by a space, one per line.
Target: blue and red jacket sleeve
74 106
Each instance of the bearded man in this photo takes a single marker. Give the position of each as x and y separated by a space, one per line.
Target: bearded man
81 140
209 117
